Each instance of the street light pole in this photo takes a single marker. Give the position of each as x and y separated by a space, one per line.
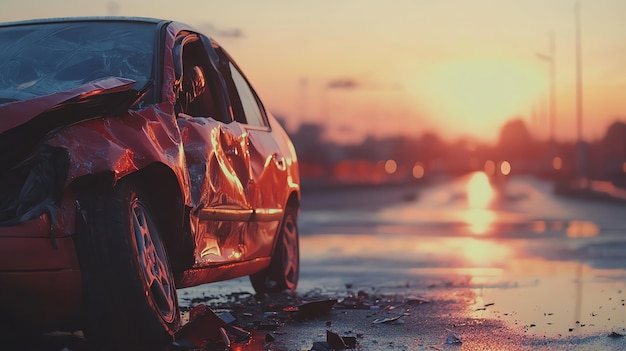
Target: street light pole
552 99
552 89
579 99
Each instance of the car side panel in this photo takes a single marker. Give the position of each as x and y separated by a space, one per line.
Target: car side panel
217 161
29 264
269 193
125 144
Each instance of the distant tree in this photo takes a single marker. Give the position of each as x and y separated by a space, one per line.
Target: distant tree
432 147
515 142
614 141
310 144
607 157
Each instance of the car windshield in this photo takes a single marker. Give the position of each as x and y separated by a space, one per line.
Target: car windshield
45 58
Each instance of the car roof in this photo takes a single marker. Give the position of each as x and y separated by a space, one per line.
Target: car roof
85 19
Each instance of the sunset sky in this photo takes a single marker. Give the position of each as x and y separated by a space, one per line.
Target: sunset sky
456 67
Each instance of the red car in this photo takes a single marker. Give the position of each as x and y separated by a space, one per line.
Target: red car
136 159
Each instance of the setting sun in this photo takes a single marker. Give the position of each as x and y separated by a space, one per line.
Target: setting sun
480 94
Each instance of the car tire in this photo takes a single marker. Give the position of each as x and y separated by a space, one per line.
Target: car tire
284 269
129 293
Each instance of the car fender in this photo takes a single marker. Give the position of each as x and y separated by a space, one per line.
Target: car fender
124 144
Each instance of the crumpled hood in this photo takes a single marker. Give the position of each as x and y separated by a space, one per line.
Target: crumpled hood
24 123
20 112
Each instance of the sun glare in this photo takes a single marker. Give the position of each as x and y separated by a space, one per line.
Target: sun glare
486 253
479 191
479 217
480 94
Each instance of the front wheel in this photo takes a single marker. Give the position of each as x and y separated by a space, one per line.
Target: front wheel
130 297
284 269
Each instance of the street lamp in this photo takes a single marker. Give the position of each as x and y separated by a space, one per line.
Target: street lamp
550 59
579 100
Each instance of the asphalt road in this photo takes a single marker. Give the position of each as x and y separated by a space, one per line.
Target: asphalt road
462 264
548 269
501 266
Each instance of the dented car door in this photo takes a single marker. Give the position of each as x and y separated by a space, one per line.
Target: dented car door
216 155
218 169
265 158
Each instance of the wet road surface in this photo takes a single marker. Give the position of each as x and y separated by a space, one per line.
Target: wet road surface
505 265
497 266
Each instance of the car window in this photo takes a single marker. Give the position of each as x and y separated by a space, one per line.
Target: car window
43 59
201 89
252 110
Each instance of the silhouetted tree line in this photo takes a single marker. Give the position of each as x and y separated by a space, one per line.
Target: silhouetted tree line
604 159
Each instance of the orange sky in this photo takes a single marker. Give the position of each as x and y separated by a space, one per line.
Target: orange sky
457 67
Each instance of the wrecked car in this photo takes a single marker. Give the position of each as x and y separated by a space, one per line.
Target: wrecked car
136 159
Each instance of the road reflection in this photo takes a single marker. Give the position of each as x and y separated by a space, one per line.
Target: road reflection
549 265
480 195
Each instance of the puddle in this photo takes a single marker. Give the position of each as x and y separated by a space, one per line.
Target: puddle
544 297
555 299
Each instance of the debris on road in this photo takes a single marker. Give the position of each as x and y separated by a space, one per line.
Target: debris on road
452 339
392 320
335 341
355 302
416 300
206 327
312 309
203 326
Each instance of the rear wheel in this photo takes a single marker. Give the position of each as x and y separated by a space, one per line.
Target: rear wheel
284 269
130 297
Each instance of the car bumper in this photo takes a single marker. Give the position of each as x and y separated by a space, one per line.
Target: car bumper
40 284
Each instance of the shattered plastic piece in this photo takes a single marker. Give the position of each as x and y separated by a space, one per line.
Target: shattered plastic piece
204 326
227 317
312 308
335 341
225 338
392 320
453 338
242 335
350 341
320 346
354 303
417 300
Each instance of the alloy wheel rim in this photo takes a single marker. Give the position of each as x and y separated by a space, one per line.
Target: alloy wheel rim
291 252
153 262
